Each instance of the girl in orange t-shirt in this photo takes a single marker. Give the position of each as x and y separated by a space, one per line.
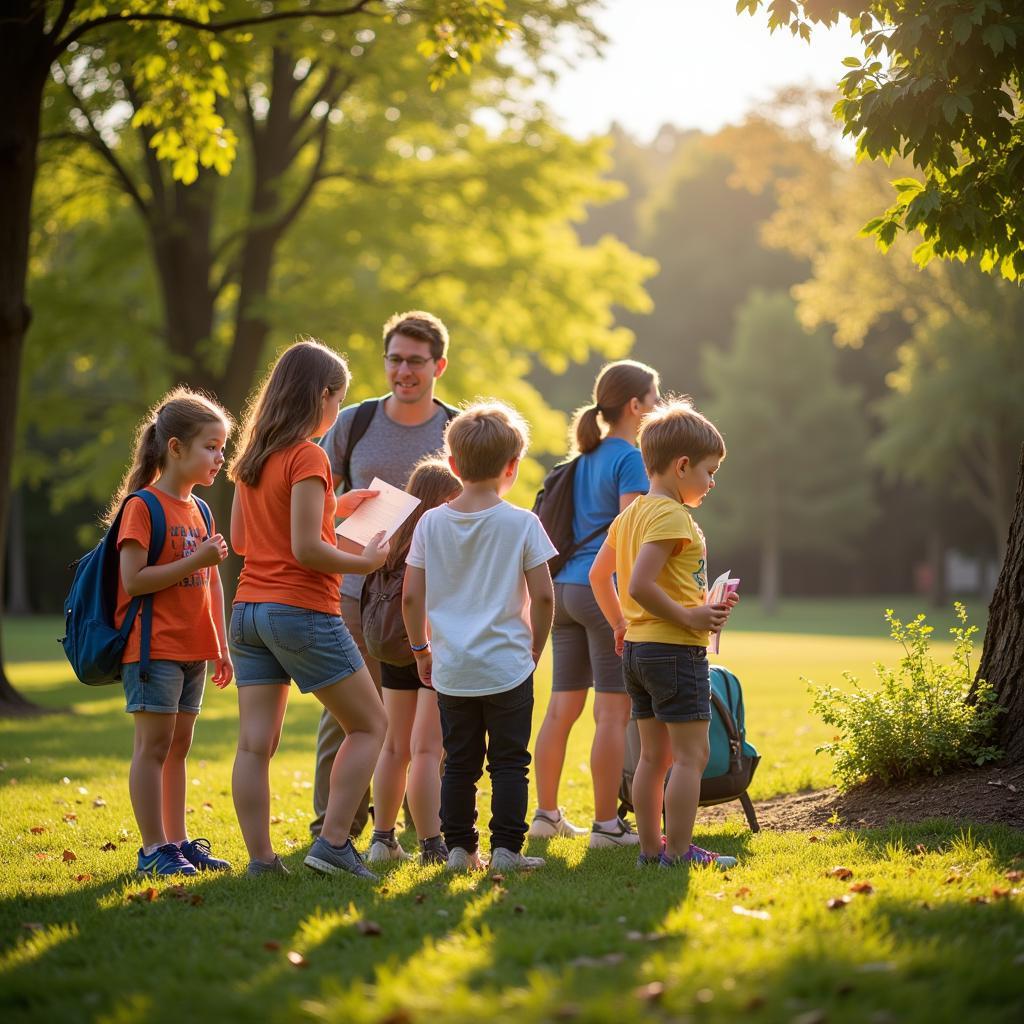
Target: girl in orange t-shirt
286 620
179 445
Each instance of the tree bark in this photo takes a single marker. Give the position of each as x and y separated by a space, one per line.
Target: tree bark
1002 662
18 600
24 63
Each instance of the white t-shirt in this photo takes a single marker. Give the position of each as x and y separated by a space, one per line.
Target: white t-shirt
477 603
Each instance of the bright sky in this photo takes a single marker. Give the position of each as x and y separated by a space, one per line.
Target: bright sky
694 63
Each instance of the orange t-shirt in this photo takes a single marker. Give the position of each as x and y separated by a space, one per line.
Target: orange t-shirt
183 626
271 572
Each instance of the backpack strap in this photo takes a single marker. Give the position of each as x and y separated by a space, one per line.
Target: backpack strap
157 536
361 421
204 511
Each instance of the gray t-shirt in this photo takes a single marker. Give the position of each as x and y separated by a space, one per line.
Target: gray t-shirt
389 450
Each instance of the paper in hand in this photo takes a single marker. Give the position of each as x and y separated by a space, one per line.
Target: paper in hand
386 512
717 593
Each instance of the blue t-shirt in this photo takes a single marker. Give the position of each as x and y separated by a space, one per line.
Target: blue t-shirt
613 468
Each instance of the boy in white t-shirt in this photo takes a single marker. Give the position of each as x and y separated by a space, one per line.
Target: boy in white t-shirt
477 572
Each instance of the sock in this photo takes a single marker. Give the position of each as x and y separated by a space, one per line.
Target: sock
148 851
381 835
179 843
431 841
611 825
554 815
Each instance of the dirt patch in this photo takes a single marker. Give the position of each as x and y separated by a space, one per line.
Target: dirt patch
984 796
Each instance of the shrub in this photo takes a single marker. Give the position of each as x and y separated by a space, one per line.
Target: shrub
925 717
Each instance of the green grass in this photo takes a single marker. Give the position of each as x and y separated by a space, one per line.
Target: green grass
589 937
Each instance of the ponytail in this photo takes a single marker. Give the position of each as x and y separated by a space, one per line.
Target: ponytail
616 386
181 414
586 432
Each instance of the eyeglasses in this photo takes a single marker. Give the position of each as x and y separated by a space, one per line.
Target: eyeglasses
413 362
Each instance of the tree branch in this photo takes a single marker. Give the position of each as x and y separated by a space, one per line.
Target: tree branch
154 168
206 26
312 181
61 20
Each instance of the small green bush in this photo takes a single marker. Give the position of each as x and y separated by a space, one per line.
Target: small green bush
919 721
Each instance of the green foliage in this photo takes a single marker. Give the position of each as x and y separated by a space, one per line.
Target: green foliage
938 84
925 717
795 435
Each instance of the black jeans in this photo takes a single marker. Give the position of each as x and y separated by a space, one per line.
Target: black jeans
496 727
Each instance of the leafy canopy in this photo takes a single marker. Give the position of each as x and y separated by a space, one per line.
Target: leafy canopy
938 84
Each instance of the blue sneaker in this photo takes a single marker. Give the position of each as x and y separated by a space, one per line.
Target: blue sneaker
645 860
698 858
164 860
329 859
197 853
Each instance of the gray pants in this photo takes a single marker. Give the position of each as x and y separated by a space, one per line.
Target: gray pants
330 734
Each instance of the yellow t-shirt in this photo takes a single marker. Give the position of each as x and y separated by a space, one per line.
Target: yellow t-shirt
684 576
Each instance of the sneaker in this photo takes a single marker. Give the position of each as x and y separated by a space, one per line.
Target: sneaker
621 835
382 852
460 859
651 859
696 857
328 859
544 826
506 860
263 867
433 851
197 853
164 860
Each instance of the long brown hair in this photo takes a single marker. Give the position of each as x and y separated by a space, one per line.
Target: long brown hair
181 413
287 406
616 384
433 482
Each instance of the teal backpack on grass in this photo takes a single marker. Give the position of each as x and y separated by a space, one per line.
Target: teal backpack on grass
732 762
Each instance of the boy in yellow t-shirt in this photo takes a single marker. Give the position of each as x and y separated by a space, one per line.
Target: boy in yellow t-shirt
661 624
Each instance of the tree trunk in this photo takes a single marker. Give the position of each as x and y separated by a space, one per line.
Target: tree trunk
24 64
18 600
1002 662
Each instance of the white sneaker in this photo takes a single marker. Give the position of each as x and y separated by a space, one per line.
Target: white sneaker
382 853
506 860
543 827
622 835
462 860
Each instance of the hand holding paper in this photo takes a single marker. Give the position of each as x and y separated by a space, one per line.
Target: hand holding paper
720 592
384 513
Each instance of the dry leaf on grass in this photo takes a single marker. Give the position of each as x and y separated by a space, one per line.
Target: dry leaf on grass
1011 876
33 926
420 897
368 928
70 818
296 959
814 839
742 891
519 909
42 856
272 945
838 902
37 830
99 802
1000 893
143 896
498 879
863 888
955 876
840 872
69 855
107 847
83 878
920 849
759 915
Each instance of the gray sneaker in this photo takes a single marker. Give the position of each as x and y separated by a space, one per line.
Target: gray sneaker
262 867
462 860
621 835
506 860
329 860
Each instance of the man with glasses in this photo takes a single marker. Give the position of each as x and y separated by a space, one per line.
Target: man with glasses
383 437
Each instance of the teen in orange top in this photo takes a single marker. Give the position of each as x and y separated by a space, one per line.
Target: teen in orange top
286 621
179 445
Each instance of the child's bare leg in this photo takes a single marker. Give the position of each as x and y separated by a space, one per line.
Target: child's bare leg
260 716
608 751
357 706
174 777
153 733
424 775
689 742
389 777
564 707
649 783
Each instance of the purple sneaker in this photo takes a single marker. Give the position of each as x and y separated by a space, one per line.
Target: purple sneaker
696 857
197 853
164 860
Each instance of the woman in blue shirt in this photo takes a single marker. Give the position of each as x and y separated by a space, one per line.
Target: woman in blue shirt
609 476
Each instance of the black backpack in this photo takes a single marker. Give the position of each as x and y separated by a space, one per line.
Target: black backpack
380 612
554 507
365 412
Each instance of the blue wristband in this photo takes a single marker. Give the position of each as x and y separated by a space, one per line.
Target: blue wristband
422 647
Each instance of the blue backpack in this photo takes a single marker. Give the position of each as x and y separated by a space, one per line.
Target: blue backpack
92 643
732 762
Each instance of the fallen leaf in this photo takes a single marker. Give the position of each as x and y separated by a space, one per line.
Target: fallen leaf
498 879
207 806
83 878
143 896
106 847
1012 876
980 899
99 802
69 855
37 830
42 856
70 817
275 819
420 897
368 928
383 890
742 891
920 849
954 877
864 888
813 839
122 836
717 895
760 915
33 926
840 873
296 959
1000 893
651 992
519 909
838 902
272 945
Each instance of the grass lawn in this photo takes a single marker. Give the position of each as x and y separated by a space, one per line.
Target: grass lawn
940 936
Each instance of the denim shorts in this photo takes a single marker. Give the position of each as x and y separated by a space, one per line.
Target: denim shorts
272 643
583 643
669 682
171 686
